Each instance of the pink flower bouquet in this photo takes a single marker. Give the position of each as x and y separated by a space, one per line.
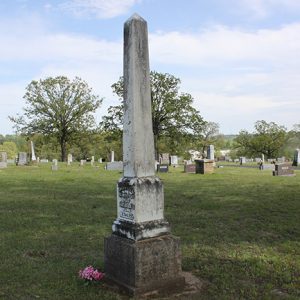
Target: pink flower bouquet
90 274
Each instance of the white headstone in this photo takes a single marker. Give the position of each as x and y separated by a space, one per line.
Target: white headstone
54 166
112 156
3 160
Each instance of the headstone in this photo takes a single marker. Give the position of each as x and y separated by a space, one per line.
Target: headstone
38 160
263 158
211 152
112 156
33 157
141 255
204 166
242 160
190 168
3 160
174 160
296 160
54 166
22 159
114 166
69 159
162 168
44 160
283 170
164 158
82 162
100 160
92 160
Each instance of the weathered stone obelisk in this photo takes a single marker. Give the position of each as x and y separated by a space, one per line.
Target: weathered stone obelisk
141 255
33 157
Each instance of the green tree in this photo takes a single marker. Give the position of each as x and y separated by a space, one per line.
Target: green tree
267 139
172 113
58 107
10 148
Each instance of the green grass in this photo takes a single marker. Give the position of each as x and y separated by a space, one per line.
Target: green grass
239 230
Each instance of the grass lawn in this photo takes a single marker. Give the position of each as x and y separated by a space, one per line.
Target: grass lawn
239 230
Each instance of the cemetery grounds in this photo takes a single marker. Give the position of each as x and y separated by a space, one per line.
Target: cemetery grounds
239 230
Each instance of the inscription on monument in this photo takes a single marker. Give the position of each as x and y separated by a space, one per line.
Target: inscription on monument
126 202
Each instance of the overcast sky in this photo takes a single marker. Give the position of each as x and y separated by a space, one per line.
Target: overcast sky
239 59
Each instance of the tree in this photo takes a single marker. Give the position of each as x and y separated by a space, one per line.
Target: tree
10 148
59 108
172 113
267 139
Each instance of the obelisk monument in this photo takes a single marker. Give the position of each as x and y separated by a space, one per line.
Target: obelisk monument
141 254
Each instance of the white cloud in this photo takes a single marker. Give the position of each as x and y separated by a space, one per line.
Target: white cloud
102 9
226 45
264 8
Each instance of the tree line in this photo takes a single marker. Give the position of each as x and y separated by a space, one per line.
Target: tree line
59 118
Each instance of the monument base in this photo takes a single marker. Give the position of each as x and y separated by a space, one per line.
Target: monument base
142 266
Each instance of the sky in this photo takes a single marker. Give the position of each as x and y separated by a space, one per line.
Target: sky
239 59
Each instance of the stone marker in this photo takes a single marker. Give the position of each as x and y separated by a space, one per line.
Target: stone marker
54 166
3 160
162 168
33 157
112 156
141 255
114 166
22 159
211 152
296 160
190 168
100 160
69 159
92 161
263 158
283 170
204 166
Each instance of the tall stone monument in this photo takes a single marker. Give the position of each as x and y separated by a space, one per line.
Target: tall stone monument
112 156
33 157
296 160
141 254
211 152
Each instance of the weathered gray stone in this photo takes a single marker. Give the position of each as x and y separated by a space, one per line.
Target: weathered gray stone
139 267
114 166
3 160
211 152
22 159
138 140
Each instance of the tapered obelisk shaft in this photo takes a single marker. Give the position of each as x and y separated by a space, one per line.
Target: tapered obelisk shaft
138 142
